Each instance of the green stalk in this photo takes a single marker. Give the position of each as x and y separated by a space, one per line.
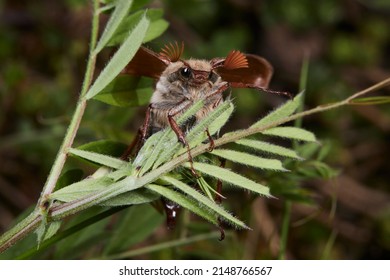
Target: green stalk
329 245
302 87
34 219
288 203
61 156
20 230
231 137
162 246
76 118
72 230
285 228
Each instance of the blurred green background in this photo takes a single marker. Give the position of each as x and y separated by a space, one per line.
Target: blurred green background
43 52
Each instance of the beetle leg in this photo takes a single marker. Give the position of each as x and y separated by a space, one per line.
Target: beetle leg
211 141
244 85
219 90
146 125
224 86
179 132
139 140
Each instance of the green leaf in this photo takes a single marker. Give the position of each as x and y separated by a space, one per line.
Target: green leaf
138 4
156 27
269 148
204 123
77 243
325 150
287 188
92 191
205 201
107 147
81 189
69 177
121 9
205 187
99 158
251 160
40 232
166 143
52 229
46 230
308 149
161 141
214 120
283 111
183 201
149 148
291 132
127 91
190 112
121 58
230 177
374 100
139 196
216 125
317 169
135 225
101 172
44 249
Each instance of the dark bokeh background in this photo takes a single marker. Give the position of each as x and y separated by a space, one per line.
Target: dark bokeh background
43 51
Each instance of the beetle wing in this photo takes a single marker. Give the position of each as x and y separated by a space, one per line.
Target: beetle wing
257 75
146 63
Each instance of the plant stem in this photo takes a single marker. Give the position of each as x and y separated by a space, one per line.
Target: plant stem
72 230
288 203
377 86
31 222
20 230
161 246
62 155
285 228
231 137
302 87
76 118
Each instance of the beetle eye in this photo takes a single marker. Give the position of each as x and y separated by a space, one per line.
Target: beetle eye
213 77
186 72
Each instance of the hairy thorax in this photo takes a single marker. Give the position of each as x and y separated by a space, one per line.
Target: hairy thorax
175 93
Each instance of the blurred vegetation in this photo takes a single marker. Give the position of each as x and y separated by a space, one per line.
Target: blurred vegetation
43 50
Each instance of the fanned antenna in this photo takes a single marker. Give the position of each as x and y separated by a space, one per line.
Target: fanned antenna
235 59
172 52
